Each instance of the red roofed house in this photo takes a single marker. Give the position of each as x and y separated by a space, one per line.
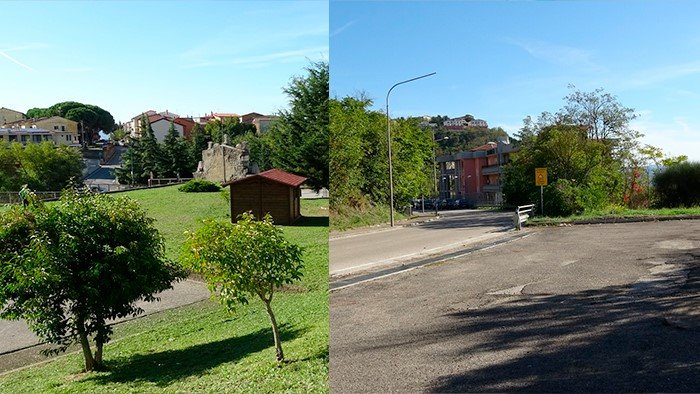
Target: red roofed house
273 191
187 126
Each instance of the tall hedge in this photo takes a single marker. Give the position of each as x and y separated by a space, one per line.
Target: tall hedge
678 185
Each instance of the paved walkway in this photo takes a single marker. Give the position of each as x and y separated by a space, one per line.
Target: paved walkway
17 335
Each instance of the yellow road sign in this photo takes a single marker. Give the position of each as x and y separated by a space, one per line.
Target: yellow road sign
541 176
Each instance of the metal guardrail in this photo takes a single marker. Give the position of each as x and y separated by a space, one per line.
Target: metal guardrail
166 181
13 197
522 213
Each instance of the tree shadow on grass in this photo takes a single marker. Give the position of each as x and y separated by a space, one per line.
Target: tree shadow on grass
164 368
311 221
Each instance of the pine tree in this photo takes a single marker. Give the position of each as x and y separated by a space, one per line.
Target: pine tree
175 155
131 171
150 152
299 139
197 143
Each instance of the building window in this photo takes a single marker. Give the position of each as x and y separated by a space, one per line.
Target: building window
55 128
63 128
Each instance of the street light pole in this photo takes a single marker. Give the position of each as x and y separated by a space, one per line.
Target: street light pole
388 137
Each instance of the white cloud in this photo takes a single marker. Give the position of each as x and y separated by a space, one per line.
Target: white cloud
342 28
676 137
13 60
23 47
300 55
558 54
236 41
661 74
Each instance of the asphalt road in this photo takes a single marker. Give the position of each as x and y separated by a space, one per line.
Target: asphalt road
355 252
595 308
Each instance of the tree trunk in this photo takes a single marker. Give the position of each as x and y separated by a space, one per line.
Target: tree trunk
85 344
98 354
275 331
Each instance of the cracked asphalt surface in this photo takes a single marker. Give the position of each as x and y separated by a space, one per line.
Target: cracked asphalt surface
594 308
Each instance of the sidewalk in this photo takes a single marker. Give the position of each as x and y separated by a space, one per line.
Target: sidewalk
375 248
16 335
416 218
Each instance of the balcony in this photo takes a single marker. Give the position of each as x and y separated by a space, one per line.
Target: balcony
490 170
491 188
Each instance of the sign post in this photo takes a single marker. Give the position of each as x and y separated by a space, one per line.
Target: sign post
541 181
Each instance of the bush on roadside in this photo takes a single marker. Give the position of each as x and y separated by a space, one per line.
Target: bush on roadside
199 186
678 185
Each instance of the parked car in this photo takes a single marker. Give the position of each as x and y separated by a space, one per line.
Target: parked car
462 203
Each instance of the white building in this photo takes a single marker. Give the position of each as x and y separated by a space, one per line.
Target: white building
36 135
456 122
477 123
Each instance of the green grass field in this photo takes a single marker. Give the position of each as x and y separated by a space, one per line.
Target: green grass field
200 347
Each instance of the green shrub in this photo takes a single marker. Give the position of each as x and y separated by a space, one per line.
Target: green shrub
199 186
225 195
678 185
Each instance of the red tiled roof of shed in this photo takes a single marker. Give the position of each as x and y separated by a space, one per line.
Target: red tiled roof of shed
274 175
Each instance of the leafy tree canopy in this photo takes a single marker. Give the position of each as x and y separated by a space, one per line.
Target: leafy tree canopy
359 162
92 117
68 268
43 166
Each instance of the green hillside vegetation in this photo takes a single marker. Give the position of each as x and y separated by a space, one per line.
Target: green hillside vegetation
200 347
451 141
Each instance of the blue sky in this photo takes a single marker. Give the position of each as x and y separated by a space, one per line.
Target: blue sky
503 60
186 57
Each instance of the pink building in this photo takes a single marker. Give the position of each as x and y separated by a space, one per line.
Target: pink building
475 175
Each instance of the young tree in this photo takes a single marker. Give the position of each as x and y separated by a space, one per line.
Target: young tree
299 139
69 267
244 259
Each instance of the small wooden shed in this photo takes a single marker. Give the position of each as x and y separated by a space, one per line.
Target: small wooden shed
273 191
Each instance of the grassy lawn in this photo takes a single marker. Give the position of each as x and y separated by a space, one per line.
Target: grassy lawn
200 347
616 213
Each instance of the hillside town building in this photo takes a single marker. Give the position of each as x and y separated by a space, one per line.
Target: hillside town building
475 175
